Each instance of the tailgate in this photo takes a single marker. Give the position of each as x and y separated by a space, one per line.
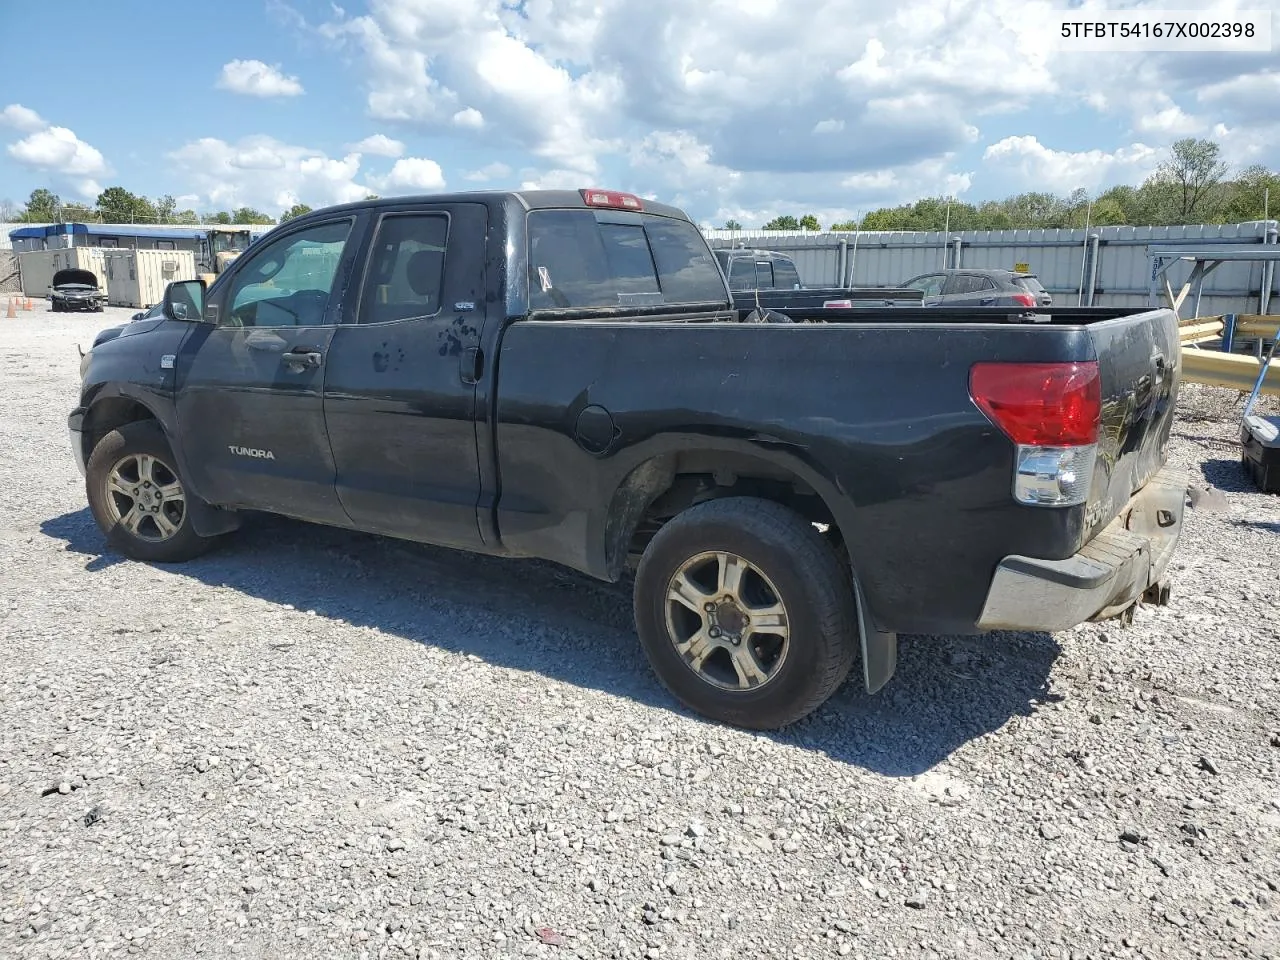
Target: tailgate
1140 366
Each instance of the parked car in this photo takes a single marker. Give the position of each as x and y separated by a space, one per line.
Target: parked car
981 288
76 290
769 280
564 375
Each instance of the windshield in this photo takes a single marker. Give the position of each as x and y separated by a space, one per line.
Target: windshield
230 242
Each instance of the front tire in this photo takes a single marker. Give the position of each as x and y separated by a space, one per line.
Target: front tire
137 497
745 613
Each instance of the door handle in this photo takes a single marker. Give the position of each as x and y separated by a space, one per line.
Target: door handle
986 301
303 358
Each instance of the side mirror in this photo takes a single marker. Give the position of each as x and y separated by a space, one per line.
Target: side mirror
184 300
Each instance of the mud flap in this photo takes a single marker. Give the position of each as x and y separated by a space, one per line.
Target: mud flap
210 521
879 650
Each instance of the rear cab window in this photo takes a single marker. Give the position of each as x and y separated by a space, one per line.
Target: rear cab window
587 259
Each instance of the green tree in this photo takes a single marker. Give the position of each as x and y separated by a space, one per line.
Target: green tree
297 210
810 222
118 205
372 196
1191 180
787 222
79 213
165 207
250 215
844 226
186 216
1247 195
732 224
42 206
220 217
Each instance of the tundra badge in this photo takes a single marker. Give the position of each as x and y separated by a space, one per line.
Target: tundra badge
250 452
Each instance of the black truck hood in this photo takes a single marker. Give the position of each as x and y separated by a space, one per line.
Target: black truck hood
74 278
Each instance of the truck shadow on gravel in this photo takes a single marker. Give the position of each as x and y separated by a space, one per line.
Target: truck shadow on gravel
533 616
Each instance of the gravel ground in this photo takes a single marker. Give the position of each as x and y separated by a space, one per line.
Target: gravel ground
317 744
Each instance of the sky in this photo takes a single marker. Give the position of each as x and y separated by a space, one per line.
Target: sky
731 109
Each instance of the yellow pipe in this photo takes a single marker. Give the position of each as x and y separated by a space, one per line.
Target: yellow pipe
1197 332
1257 325
1235 371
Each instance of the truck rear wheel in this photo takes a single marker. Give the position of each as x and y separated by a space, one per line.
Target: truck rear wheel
744 612
137 497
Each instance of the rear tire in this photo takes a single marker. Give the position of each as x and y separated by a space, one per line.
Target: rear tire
137 497
745 613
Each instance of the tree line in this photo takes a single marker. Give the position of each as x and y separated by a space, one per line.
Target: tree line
1190 186
118 205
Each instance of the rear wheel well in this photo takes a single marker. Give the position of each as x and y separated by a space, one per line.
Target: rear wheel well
110 414
666 486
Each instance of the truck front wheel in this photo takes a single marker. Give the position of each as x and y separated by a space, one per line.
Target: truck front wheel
745 613
137 497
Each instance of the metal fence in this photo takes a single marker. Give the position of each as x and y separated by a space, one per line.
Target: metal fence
1064 260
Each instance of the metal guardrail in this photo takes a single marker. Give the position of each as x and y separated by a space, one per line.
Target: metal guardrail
1219 367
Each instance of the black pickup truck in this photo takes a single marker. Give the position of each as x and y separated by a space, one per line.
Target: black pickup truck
563 375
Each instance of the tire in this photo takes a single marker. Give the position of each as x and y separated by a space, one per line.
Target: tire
163 535
787 559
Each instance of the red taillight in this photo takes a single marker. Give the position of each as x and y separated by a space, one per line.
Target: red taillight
611 198
1040 404
1026 299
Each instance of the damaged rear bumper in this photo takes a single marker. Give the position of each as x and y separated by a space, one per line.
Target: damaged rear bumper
1109 574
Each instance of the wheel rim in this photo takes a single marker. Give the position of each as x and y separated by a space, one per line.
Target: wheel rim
145 497
727 621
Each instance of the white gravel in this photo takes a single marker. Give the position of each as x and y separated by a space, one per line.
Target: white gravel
316 744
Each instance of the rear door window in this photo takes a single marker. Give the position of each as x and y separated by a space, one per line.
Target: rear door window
785 274
963 283
578 260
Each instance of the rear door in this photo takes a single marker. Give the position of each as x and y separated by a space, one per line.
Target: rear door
963 290
400 394
249 385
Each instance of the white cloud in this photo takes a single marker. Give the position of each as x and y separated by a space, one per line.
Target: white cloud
22 118
264 173
885 98
492 171
1045 168
55 152
378 145
253 78
410 175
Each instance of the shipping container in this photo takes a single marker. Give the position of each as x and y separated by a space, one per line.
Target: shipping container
137 278
37 267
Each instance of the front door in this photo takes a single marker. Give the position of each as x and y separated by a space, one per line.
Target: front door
400 392
250 385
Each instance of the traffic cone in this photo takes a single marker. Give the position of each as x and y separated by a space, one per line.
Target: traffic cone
28 304
12 312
